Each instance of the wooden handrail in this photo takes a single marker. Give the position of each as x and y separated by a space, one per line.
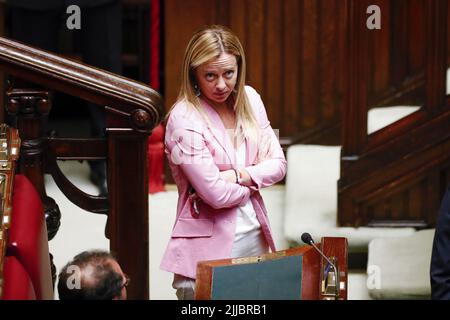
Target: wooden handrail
120 94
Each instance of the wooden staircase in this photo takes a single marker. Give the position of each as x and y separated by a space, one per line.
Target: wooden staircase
396 176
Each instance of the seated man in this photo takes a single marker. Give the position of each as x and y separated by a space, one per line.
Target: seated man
440 260
92 275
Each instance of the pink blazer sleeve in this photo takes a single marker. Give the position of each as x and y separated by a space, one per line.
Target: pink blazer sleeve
187 148
272 169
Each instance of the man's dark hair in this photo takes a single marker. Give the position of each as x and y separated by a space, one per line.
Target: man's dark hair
104 284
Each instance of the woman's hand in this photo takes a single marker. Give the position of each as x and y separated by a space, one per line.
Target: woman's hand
246 180
228 175
265 147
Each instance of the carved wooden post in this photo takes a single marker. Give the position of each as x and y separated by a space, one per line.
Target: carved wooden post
127 226
30 109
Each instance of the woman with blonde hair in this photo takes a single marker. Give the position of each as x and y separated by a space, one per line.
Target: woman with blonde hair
222 151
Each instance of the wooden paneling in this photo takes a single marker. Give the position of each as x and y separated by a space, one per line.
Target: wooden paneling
274 90
291 47
327 71
402 202
397 54
410 200
416 36
181 20
291 77
396 176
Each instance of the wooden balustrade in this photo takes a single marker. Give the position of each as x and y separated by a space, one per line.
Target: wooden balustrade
132 111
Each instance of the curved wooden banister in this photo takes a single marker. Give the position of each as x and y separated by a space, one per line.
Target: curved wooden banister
132 111
75 78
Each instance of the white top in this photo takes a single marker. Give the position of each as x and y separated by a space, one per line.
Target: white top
246 215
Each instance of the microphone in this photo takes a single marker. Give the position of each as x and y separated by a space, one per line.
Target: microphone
306 238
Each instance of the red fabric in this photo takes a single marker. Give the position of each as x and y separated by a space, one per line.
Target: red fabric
28 240
155 152
17 283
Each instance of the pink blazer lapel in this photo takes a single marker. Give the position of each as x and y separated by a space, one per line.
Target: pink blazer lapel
219 132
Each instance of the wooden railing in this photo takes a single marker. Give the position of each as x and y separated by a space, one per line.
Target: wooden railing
132 111
397 175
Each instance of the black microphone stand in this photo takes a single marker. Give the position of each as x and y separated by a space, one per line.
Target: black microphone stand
336 274
306 238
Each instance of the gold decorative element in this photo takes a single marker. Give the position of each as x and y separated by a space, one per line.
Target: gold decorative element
9 153
329 284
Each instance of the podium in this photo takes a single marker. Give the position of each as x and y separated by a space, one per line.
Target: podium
299 273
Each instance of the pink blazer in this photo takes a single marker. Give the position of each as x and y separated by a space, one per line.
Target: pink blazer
197 152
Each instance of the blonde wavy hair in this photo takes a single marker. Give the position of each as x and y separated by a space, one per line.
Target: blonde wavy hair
208 44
